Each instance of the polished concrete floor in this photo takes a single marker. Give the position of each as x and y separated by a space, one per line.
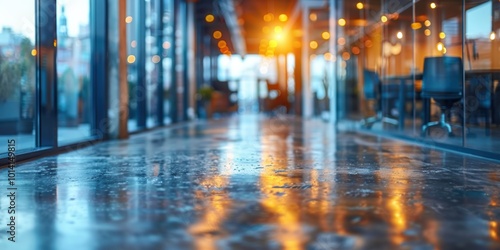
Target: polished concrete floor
251 182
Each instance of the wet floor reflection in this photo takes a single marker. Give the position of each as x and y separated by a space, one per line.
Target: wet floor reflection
255 182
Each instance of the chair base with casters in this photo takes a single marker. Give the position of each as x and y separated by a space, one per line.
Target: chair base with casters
442 123
370 121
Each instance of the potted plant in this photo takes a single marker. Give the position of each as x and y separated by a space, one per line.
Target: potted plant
204 96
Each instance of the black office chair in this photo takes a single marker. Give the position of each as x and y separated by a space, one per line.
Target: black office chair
372 92
442 81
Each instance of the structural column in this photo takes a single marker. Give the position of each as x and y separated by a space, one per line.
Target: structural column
46 75
307 100
332 63
122 75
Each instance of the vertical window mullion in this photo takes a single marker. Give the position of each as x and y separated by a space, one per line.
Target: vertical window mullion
98 67
141 66
46 42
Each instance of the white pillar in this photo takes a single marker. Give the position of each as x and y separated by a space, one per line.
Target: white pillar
307 100
332 64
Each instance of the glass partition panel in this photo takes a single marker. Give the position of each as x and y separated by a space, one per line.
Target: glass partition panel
376 48
396 67
17 73
319 55
132 55
438 54
168 34
382 46
360 36
74 91
152 62
482 74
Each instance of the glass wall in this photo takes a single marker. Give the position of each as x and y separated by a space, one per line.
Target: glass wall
482 74
133 43
421 69
17 73
319 57
150 34
74 90
152 61
61 52
167 55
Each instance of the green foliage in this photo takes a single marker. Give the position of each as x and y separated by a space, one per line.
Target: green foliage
13 72
205 92
10 78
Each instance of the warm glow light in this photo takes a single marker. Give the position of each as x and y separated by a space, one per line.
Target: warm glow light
224 50
222 44
217 34
131 59
427 32
399 35
34 52
360 6
328 56
278 29
416 26
273 43
156 59
128 19
492 35
383 19
440 46
346 56
55 43
355 50
325 35
313 17
368 43
442 35
313 45
341 41
268 17
133 44
342 22
427 23
166 45
209 18
433 5
283 17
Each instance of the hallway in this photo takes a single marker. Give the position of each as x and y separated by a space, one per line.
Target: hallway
254 182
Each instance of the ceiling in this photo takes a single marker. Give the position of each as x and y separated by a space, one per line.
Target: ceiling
251 15
242 21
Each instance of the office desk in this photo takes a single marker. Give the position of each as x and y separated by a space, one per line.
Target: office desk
493 78
402 92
